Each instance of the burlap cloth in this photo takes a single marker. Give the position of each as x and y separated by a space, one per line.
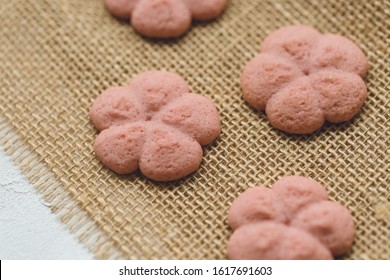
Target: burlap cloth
57 56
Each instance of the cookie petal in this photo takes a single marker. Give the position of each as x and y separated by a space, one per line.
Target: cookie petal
338 52
273 241
161 18
293 42
158 88
121 8
168 154
116 106
299 245
297 193
206 9
255 205
330 223
119 147
296 108
194 115
343 94
264 75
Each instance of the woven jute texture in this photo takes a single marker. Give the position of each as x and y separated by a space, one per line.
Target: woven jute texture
57 56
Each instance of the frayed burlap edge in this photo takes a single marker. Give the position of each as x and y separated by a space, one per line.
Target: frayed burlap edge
58 198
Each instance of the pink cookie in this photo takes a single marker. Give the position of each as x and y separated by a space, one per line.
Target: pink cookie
274 241
295 208
303 78
164 18
154 125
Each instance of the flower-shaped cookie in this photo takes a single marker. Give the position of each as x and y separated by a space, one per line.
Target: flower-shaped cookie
293 220
303 78
164 18
154 124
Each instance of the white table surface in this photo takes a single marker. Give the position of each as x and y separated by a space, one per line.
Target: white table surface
28 228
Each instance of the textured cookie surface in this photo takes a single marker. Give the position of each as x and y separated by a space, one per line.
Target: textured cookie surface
302 78
164 18
293 220
154 125
275 241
